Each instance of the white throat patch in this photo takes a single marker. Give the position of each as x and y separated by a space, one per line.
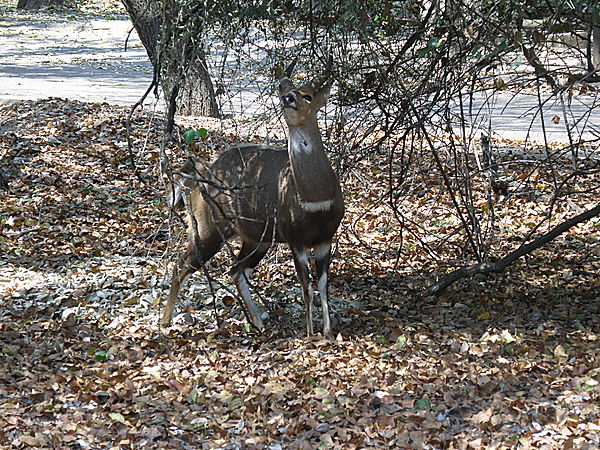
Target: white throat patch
299 142
301 146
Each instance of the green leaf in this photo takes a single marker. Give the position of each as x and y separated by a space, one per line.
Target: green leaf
423 404
423 51
501 46
189 135
118 417
100 356
196 427
325 415
433 43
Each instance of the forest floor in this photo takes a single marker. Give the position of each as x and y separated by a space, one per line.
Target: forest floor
499 362
505 361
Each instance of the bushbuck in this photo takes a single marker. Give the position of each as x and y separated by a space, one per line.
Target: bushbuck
266 195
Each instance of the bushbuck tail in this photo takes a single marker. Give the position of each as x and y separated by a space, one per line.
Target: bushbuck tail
266 195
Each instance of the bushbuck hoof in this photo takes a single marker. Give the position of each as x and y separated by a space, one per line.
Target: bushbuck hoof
258 323
165 321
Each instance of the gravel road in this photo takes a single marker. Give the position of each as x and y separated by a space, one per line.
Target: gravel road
79 57
84 57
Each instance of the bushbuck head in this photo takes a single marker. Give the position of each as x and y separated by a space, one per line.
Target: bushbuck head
301 104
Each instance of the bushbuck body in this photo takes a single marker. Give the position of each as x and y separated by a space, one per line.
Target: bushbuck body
266 195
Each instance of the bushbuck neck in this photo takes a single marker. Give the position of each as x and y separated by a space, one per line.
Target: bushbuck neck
314 178
265 195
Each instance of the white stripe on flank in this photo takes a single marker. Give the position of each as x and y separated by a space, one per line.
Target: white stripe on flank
317 206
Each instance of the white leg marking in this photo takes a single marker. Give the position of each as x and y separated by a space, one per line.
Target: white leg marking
324 251
309 311
322 285
244 290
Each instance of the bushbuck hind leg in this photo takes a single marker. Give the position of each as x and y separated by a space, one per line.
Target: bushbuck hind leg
302 270
248 258
193 259
322 260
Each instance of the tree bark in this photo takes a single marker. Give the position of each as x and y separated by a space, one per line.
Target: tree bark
197 95
145 16
595 45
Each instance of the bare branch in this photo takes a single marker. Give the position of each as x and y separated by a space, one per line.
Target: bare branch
525 249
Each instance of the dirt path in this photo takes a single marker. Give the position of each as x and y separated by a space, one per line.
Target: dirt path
75 55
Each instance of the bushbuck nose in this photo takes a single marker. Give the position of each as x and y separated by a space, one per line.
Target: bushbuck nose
288 100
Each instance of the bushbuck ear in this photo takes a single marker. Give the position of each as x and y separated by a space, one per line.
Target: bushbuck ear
289 69
285 85
322 84
321 96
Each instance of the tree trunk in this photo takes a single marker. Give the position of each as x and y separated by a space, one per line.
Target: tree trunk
197 95
197 98
145 15
595 37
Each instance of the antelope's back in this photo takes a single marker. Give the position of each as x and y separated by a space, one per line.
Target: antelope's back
249 174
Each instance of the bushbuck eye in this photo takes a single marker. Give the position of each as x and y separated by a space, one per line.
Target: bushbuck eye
308 98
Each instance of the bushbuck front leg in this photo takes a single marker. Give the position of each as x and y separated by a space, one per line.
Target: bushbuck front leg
322 260
248 258
301 264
